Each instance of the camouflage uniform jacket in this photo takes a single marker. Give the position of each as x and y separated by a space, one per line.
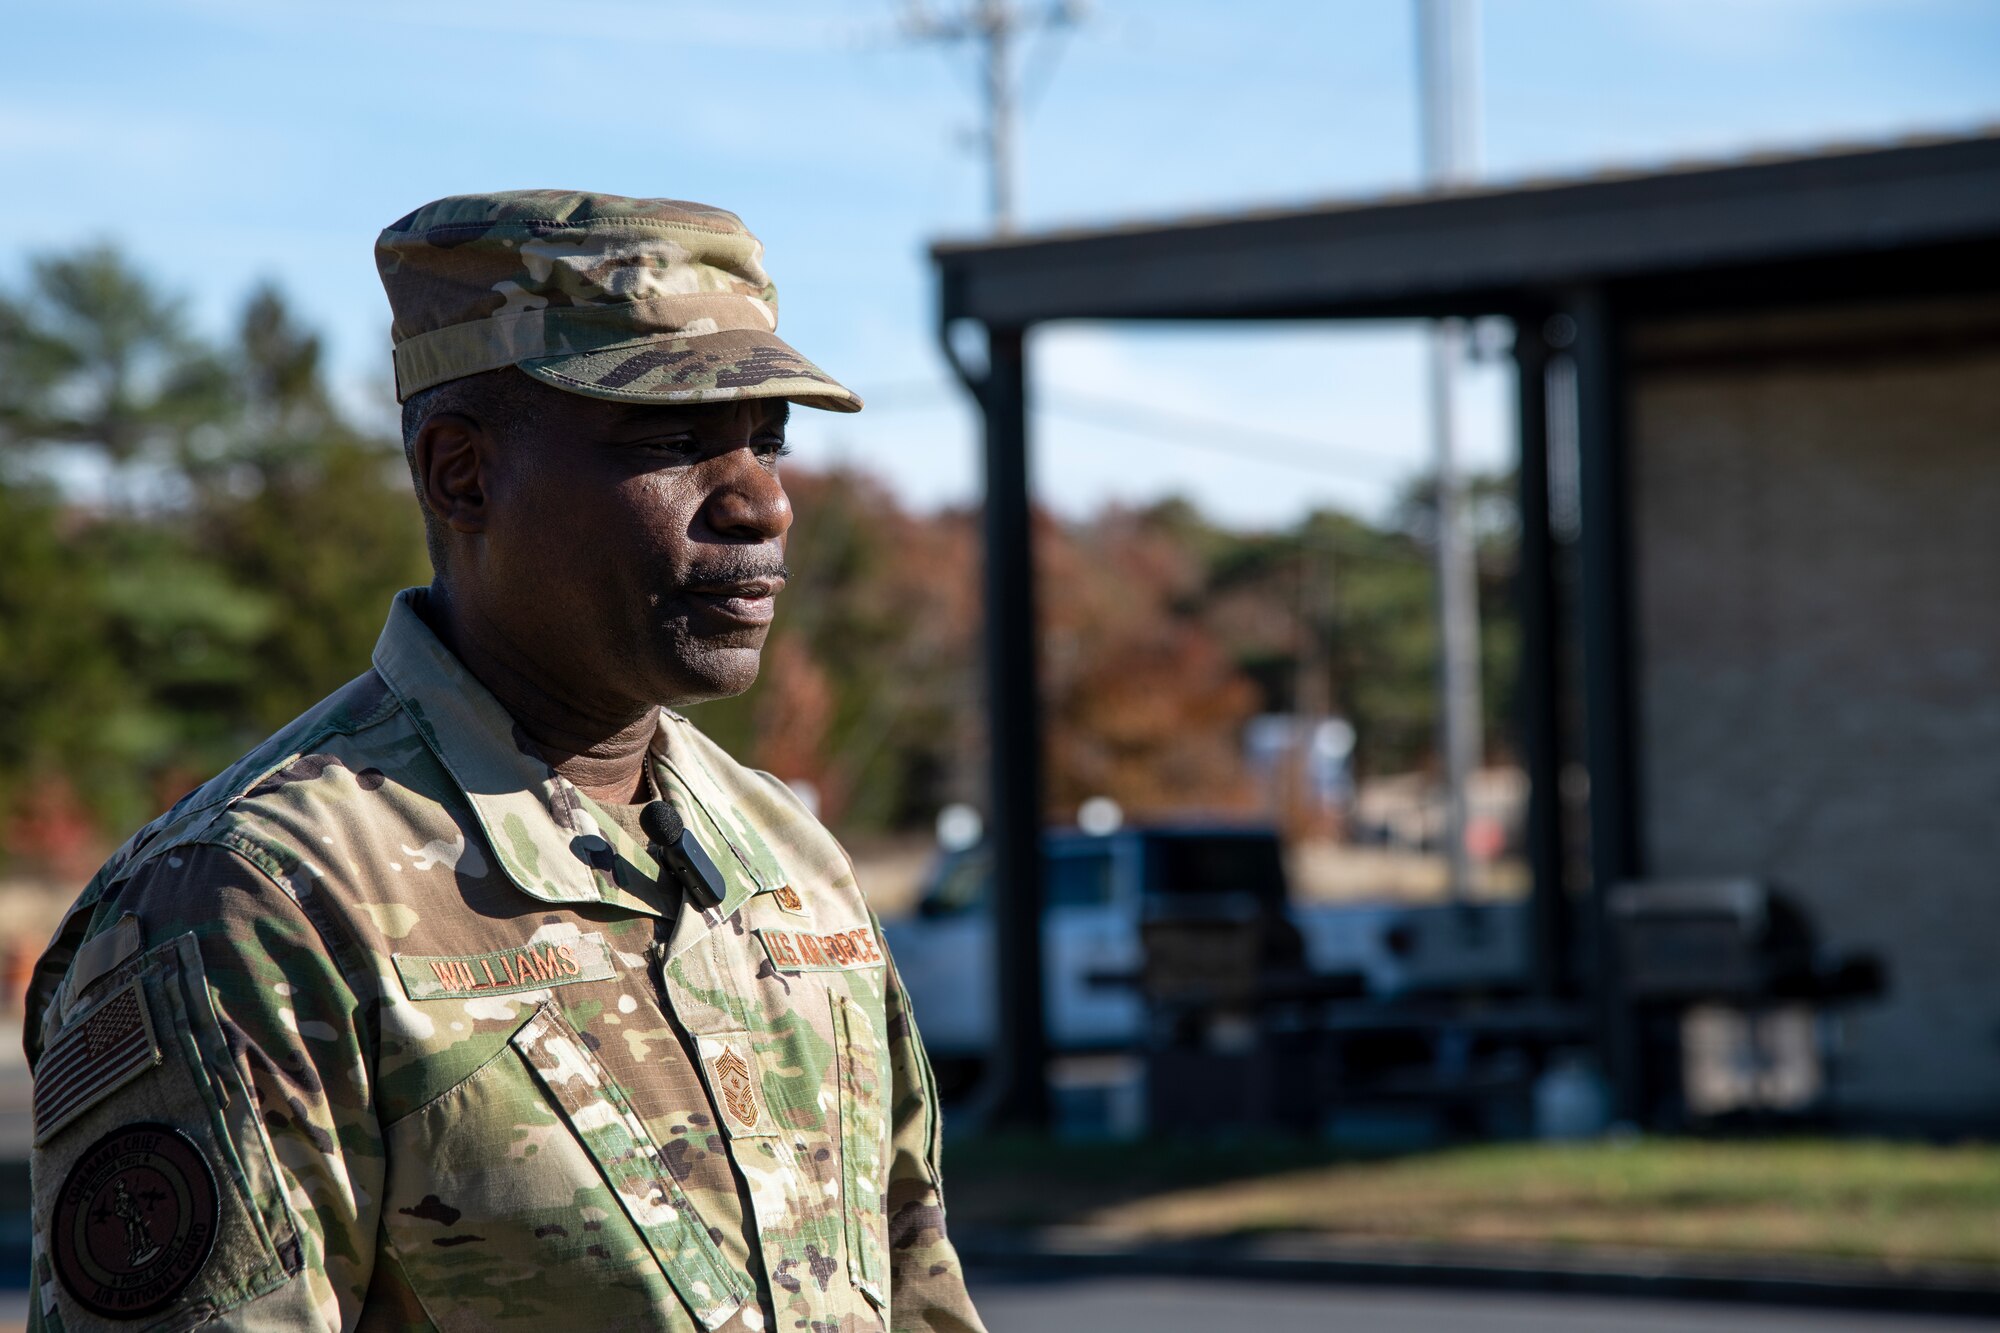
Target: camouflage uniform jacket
389 1026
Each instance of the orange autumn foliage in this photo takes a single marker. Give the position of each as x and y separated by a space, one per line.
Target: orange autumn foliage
871 689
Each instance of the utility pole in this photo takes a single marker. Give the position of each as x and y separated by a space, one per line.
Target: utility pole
1015 1092
995 25
1447 67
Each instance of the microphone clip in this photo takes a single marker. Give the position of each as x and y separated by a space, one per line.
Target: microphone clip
681 857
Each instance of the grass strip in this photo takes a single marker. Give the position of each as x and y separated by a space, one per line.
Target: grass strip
1897 1204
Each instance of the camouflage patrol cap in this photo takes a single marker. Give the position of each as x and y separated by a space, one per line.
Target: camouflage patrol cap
635 300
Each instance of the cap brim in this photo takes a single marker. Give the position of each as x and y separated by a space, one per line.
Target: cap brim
712 368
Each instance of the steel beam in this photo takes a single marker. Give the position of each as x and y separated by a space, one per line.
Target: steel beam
1473 251
1608 697
1017 1097
1539 688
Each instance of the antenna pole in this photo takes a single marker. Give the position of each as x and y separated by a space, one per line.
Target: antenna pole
994 25
1447 70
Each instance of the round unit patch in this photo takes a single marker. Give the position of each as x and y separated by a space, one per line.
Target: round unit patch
135 1221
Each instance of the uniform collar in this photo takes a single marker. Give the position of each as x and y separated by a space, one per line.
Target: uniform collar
541 829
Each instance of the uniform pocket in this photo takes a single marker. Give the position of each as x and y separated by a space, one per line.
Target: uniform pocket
632 1165
503 1219
780 1138
864 1146
155 1191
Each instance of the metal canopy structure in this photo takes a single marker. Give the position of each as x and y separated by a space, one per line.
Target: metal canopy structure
1481 251
1572 264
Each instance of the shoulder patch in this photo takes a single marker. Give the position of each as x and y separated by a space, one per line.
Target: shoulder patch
536 965
97 1054
135 1221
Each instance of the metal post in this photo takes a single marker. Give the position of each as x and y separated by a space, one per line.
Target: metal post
1539 685
1458 612
1020 1090
1607 671
1447 69
1448 86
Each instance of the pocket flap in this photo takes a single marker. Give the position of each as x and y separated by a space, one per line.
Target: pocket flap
630 1160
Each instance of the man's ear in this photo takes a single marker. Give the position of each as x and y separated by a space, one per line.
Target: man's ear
453 455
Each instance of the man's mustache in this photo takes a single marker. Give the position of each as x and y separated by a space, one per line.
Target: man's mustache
745 567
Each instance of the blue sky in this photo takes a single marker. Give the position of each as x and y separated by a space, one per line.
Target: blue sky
226 141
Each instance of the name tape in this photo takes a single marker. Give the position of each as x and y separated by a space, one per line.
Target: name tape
536 965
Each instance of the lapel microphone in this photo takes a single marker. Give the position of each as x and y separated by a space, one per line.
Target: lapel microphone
681 856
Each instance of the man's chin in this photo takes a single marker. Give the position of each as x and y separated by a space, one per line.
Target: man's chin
714 671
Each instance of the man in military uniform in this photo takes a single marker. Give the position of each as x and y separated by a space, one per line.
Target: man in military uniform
489 994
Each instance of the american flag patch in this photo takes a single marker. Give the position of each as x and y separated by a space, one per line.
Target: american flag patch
99 1053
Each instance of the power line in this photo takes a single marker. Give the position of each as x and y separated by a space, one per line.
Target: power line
1302 451
1165 425
1178 430
995 25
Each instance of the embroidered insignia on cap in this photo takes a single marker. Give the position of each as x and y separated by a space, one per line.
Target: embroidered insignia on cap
99 1053
134 1222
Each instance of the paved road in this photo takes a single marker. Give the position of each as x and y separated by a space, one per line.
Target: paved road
1175 1305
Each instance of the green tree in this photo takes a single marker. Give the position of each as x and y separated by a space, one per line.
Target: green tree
91 354
255 535
68 718
306 515
1340 612
146 642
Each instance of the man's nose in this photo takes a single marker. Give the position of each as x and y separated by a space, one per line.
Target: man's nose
748 502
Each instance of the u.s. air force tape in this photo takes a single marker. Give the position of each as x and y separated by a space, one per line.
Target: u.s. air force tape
536 965
825 951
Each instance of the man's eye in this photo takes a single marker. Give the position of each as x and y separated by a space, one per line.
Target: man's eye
773 447
673 444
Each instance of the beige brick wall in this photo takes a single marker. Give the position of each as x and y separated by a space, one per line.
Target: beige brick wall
1817 551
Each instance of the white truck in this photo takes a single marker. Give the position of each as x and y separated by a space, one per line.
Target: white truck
1099 890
